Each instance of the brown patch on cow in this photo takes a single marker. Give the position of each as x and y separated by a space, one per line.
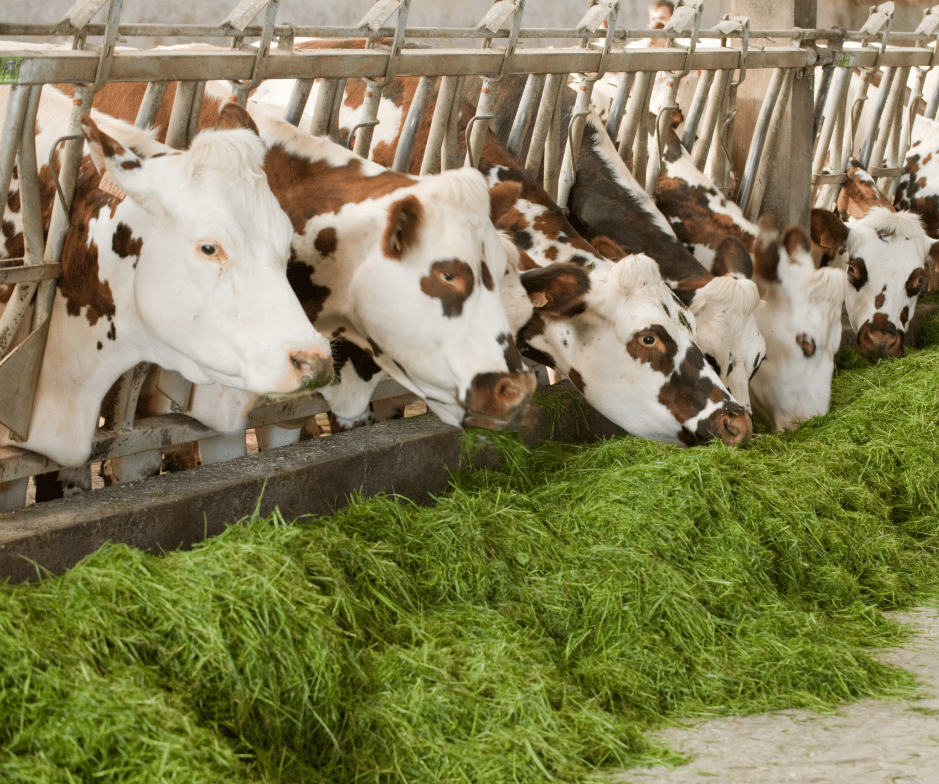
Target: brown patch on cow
124 244
551 254
859 193
828 230
233 117
306 188
326 241
6 292
806 343
526 262
880 299
689 212
654 346
13 198
110 148
403 229
130 165
916 283
795 240
486 277
354 96
312 296
766 259
732 258
607 248
502 198
557 290
577 380
549 225
905 315
451 282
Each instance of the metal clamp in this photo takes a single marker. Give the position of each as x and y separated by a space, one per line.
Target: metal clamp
374 20
600 11
238 20
879 21
731 24
685 18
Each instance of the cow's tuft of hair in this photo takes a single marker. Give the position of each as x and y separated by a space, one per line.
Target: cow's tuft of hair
903 224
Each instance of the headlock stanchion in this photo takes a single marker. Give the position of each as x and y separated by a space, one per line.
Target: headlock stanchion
898 69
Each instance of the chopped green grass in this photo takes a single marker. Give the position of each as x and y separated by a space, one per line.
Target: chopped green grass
534 625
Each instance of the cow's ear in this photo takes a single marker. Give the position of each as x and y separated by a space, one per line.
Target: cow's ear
608 248
403 227
121 169
235 117
502 198
558 289
828 230
732 258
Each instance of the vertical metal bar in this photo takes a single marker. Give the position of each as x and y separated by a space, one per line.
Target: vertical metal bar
533 85
643 133
150 105
549 97
333 129
833 111
31 210
932 102
663 124
438 124
618 105
178 129
484 108
758 141
712 112
575 135
906 130
698 104
193 128
297 102
886 85
363 136
415 116
12 130
323 108
635 108
450 158
552 144
821 95
762 174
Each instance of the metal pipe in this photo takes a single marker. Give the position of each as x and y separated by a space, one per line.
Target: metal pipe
323 107
635 107
758 140
366 126
415 116
297 102
450 158
438 125
781 105
552 144
552 88
533 85
177 130
485 108
12 131
150 104
833 110
663 125
618 104
194 112
575 134
698 104
702 145
886 84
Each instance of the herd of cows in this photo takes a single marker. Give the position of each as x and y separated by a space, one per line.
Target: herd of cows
262 259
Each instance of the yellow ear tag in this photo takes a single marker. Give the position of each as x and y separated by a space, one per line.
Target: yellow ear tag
109 185
539 299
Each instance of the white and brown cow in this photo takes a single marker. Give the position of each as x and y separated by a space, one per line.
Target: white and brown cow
607 341
409 269
888 258
800 309
163 272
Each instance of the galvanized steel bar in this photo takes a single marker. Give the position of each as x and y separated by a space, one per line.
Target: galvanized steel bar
759 180
365 127
438 124
698 104
298 99
323 107
636 106
412 122
709 123
152 98
449 153
177 131
883 93
758 142
618 104
549 98
533 85
551 160
832 110
12 130
568 171
193 127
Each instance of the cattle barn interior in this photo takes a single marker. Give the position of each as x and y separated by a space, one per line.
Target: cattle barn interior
774 110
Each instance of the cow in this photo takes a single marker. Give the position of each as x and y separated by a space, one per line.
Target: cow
408 269
681 399
918 186
800 308
888 258
161 267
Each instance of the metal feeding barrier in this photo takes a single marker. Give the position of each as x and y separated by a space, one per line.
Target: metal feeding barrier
652 69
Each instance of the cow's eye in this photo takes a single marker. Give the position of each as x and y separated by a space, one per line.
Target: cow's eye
852 272
649 339
448 276
211 251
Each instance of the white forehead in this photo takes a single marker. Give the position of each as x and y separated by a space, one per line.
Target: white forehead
890 243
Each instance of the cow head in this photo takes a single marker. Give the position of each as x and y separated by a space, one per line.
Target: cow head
800 319
210 243
888 258
628 345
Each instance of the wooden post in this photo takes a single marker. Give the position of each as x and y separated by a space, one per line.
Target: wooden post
788 189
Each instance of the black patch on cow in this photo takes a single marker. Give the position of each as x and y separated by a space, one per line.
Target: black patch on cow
112 332
534 327
859 277
513 360
312 297
713 363
376 349
124 244
100 345
577 380
345 352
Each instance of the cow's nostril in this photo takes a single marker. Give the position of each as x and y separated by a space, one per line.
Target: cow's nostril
312 367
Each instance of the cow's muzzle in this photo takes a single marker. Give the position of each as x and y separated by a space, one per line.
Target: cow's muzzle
878 344
499 400
313 370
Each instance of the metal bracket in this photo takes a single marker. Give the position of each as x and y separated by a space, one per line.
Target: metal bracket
374 20
493 21
77 19
685 18
19 373
879 22
732 24
238 20
599 12
929 28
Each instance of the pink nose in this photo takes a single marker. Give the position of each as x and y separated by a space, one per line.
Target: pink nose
313 370
733 427
497 400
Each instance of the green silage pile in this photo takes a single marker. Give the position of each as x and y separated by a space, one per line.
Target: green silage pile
533 626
